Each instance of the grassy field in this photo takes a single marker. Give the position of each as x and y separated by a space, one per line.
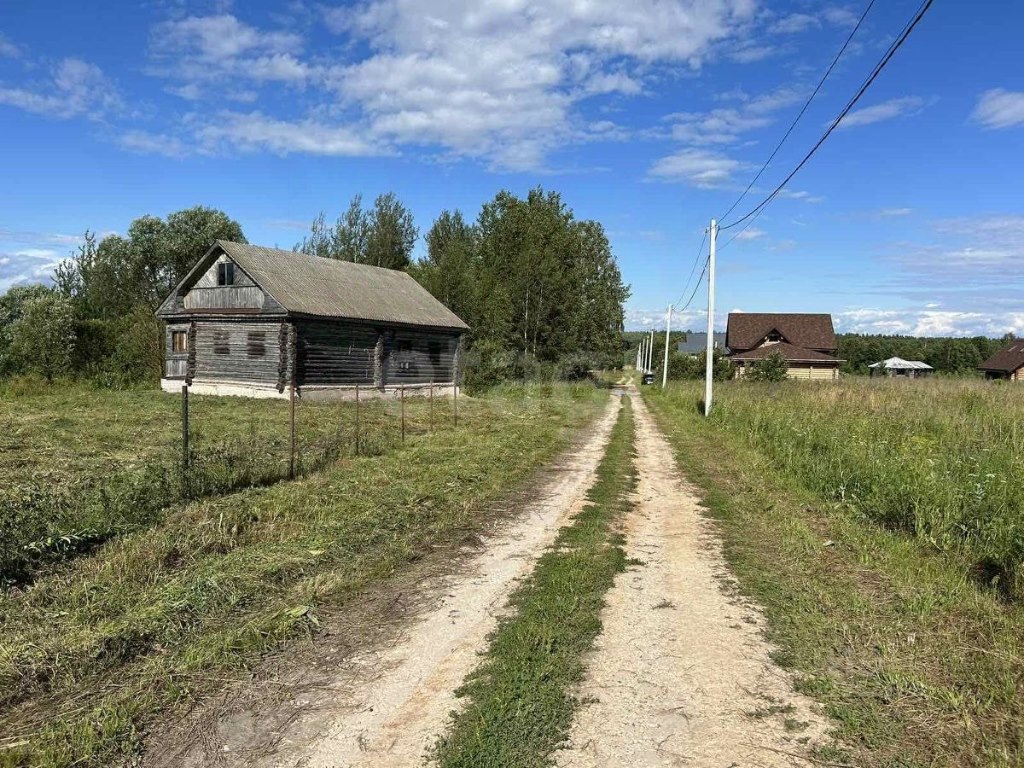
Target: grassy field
519 703
881 525
94 648
83 464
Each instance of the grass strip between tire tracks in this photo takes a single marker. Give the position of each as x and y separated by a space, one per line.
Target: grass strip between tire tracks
519 700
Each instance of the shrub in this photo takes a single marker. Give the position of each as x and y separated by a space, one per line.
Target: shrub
772 368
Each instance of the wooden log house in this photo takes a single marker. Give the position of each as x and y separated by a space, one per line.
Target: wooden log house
253 321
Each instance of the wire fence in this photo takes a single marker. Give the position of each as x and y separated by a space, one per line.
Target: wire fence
220 448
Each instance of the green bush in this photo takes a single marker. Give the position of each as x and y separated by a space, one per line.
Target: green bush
772 368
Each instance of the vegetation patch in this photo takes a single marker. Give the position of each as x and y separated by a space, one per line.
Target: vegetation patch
880 616
519 704
92 651
82 465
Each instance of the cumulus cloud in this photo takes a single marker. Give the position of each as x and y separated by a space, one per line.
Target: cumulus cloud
30 265
255 131
75 88
886 110
697 167
893 212
998 108
928 321
8 50
647 319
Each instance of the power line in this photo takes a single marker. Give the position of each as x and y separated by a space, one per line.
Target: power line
803 109
693 269
699 281
896 45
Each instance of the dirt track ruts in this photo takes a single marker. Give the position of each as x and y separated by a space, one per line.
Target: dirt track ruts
681 675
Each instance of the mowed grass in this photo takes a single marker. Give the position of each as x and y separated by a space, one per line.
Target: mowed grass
92 650
519 701
82 464
878 606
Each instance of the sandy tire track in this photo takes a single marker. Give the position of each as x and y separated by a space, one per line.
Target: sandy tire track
681 674
395 703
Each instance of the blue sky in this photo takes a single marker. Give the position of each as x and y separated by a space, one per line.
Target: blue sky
649 116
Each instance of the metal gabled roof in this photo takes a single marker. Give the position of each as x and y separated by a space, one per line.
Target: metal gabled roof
898 363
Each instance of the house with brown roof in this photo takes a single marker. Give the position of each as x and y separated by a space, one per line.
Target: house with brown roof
806 341
1007 363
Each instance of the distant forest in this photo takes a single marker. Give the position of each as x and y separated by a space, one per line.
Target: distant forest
539 288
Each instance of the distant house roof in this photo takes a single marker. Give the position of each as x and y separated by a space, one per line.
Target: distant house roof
899 364
1006 360
748 329
319 287
791 352
698 342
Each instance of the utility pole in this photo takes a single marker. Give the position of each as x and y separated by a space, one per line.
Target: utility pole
650 354
710 367
668 330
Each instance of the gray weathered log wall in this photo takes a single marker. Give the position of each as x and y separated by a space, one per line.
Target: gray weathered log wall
419 357
243 351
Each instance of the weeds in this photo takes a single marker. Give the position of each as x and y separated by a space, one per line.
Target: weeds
519 700
879 617
92 651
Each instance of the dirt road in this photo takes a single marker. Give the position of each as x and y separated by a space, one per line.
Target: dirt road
681 674
390 706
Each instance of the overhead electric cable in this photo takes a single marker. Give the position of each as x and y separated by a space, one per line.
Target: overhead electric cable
693 269
896 45
803 109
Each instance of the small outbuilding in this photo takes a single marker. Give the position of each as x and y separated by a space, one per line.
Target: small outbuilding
897 366
255 321
807 342
1007 363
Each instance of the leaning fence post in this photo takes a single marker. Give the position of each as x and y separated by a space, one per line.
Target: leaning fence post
184 440
402 396
357 419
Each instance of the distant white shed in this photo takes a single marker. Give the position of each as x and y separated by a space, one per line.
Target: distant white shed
897 366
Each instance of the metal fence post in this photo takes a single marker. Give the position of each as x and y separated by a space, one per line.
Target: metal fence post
431 422
402 397
184 440
357 419
455 402
291 431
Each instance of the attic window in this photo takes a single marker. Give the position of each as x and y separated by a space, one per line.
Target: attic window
225 273
774 336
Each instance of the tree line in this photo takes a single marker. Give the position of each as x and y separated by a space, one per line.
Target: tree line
539 288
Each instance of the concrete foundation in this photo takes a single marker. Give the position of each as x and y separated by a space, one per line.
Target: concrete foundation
346 392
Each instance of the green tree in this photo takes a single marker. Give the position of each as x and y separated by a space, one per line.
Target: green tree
450 268
13 305
772 368
384 236
43 337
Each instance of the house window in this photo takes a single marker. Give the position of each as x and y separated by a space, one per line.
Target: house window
257 344
220 343
179 342
225 273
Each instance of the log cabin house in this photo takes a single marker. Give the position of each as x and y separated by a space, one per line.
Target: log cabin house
1006 364
806 341
255 321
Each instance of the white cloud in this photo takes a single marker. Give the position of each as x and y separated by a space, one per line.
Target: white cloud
30 265
647 319
255 131
886 110
8 50
998 108
147 143
893 212
76 88
751 233
794 23
696 167
928 321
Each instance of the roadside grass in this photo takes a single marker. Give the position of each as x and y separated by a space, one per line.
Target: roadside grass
918 662
519 701
93 650
81 465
